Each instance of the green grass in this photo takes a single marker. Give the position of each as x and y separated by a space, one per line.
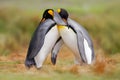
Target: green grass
65 76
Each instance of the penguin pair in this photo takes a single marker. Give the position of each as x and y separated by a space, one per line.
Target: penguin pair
43 39
76 38
55 29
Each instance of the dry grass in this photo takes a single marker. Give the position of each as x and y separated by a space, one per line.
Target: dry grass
102 64
104 67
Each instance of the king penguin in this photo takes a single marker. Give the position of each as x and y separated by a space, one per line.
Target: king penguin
76 38
43 39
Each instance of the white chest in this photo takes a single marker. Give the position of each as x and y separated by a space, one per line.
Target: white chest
69 37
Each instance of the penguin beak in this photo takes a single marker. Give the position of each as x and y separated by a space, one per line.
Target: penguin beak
58 19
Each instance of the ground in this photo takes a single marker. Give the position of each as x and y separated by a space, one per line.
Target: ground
104 67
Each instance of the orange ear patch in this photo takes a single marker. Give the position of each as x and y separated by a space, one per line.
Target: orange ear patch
51 12
59 10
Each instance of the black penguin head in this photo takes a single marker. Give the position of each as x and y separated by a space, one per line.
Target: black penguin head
48 14
63 13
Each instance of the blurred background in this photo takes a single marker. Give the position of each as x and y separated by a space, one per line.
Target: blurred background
19 19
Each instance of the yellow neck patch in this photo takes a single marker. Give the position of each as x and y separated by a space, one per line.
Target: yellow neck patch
59 10
61 27
51 12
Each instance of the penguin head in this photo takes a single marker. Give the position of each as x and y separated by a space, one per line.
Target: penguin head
51 14
63 13
48 14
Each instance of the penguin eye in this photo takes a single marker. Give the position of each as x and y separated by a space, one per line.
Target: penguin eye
51 12
59 10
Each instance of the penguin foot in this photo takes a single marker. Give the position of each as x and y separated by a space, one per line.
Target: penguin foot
29 63
39 68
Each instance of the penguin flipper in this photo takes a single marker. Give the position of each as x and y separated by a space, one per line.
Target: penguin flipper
37 41
55 50
84 41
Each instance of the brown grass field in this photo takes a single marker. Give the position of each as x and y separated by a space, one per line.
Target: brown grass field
104 66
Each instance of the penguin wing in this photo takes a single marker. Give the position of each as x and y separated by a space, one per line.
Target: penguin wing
38 38
55 50
84 41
